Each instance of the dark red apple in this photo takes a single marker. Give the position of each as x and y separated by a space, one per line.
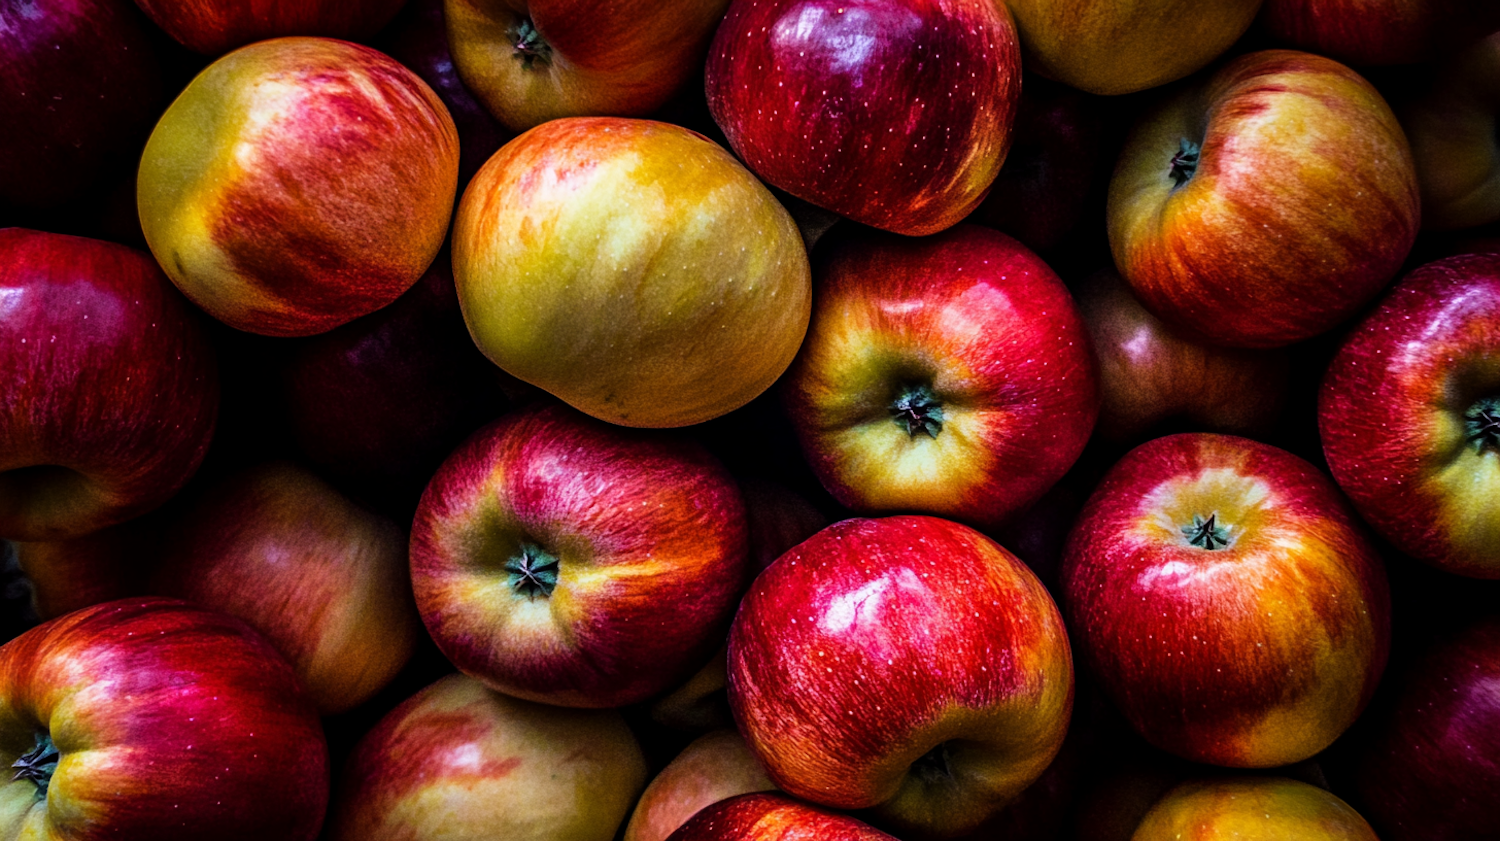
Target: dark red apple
772 817
214 27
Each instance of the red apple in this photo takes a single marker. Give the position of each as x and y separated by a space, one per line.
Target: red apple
297 184
908 664
716 766
1359 32
1453 122
1410 415
1226 600
894 113
146 719
109 392
1266 204
215 27
949 374
560 559
101 566
772 817
1252 809
460 761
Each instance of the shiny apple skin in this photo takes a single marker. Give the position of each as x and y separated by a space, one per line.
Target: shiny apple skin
650 540
1429 770
984 324
1122 46
619 264
772 817
874 642
458 760
110 391
1252 809
297 184
1391 415
1302 207
1453 124
172 722
214 27
894 113
714 767
1254 654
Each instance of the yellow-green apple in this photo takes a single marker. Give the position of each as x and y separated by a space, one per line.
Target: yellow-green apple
109 391
1265 204
567 561
894 113
1149 373
772 817
632 268
323 579
1409 415
1252 809
1428 771
1454 127
949 374
458 760
715 766
530 61
1224 596
1121 46
297 184
215 27
908 664
146 719
79 87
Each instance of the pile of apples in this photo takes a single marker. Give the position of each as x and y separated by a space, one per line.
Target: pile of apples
750 419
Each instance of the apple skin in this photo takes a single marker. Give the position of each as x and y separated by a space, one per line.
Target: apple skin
297 184
1358 32
214 27
101 566
324 580
772 817
618 263
907 663
458 760
1253 654
1301 208
1252 809
648 537
1452 124
714 767
111 389
171 721
991 338
1122 46
1392 414
904 131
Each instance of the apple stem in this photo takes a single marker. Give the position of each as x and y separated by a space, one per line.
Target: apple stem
38 764
528 44
1206 534
1482 424
916 409
933 764
533 572
1185 162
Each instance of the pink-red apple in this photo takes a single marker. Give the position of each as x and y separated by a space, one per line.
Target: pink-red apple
214 27
714 767
772 817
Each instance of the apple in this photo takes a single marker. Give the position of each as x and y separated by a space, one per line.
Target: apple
949 374
1121 46
772 817
1358 32
1252 809
460 761
150 719
893 113
715 766
215 27
530 61
101 566
1452 123
566 561
908 664
1265 204
1226 600
631 268
1409 415
110 390
297 184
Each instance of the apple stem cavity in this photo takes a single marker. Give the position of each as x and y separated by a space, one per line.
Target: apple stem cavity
528 45
533 572
38 764
1185 162
1206 534
1482 425
933 765
917 410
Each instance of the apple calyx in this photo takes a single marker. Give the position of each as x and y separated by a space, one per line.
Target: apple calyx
1482 424
1206 534
1185 162
916 409
38 764
533 572
528 45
